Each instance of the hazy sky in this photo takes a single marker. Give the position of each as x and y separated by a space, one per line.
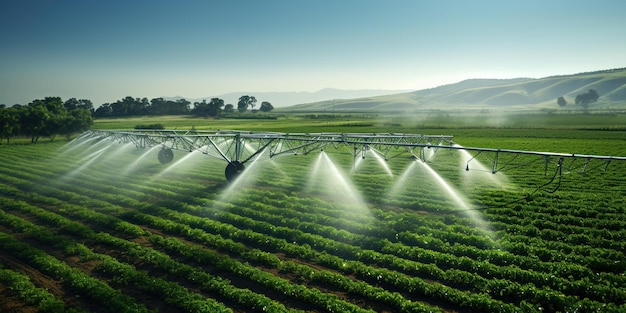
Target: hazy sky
106 50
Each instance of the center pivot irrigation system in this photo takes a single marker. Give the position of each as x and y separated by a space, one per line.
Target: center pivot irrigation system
239 147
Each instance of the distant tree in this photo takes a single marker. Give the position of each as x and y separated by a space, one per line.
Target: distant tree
79 120
85 104
9 122
245 102
57 116
561 101
252 102
33 119
70 104
181 106
229 108
46 117
141 106
200 108
266 106
158 106
242 105
215 107
50 117
130 106
73 103
104 110
584 99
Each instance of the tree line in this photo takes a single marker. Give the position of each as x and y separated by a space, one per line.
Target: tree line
130 106
52 116
46 117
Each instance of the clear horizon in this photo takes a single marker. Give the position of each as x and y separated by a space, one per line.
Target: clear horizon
105 51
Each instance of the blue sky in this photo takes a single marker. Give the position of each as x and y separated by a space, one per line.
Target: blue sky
106 50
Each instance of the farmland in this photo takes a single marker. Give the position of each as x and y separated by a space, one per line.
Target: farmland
87 228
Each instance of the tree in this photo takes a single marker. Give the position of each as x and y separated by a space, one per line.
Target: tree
158 106
85 104
104 110
181 106
229 108
79 120
9 122
200 108
251 102
57 116
215 107
245 102
70 104
130 106
266 106
46 117
73 103
561 101
584 99
33 119
242 105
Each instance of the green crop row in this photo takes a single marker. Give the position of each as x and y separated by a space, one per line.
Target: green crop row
409 252
79 282
21 285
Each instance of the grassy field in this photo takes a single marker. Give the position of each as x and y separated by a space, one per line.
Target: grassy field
104 227
317 122
566 133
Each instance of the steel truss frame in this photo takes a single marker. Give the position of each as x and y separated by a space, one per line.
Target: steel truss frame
239 147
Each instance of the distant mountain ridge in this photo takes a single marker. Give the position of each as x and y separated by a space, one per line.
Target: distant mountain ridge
492 94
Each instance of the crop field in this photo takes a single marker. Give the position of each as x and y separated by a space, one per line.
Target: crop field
104 227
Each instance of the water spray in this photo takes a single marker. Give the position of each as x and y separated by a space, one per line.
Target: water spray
238 147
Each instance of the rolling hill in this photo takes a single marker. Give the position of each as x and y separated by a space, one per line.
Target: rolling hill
517 94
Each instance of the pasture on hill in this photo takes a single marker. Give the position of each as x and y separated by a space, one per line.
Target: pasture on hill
505 95
102 226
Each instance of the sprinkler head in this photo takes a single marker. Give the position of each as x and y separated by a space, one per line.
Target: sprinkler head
467 167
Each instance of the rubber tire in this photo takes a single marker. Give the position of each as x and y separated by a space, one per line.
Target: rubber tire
166 156
233 169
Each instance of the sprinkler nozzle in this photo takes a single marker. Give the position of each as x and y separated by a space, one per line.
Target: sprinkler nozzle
467 167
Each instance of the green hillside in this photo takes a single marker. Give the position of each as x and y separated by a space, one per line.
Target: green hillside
520 94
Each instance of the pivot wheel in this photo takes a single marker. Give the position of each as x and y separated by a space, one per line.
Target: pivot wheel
233 169
166 156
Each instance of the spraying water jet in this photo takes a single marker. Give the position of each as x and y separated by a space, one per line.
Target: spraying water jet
330 182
